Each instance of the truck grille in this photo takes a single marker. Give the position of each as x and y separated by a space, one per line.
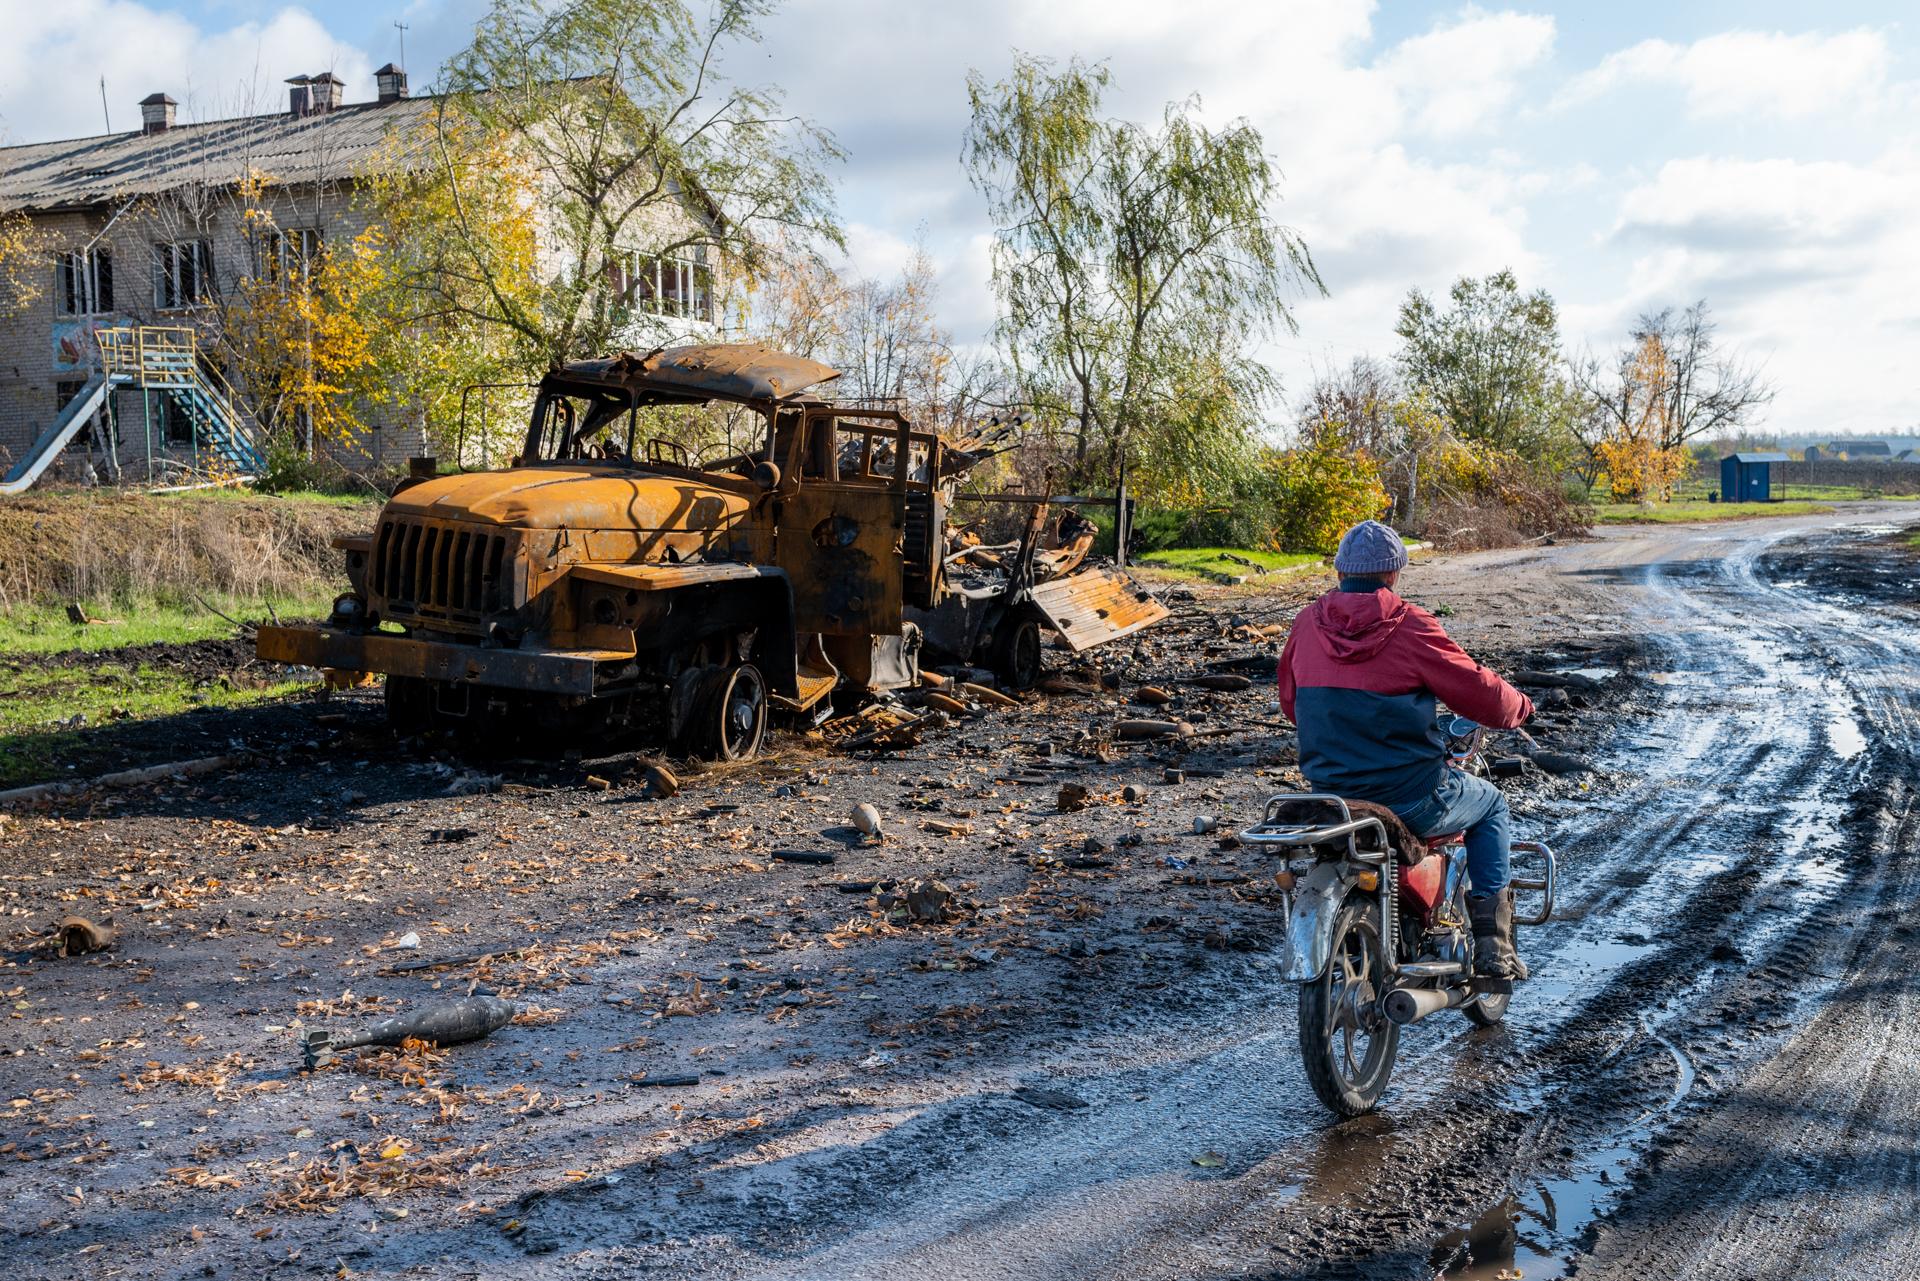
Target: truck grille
440 570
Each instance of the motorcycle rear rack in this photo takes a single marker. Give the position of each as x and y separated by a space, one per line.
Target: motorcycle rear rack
1273 829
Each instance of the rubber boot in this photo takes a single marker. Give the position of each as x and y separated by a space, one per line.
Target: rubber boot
1495 964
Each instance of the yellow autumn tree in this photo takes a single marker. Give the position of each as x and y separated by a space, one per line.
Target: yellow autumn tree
295 332
1639 466
459 302
23 263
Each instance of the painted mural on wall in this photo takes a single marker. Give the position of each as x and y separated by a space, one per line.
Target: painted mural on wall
75 349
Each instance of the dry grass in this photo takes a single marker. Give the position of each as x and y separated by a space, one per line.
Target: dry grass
111 547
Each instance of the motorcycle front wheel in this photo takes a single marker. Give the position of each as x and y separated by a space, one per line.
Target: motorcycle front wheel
1488 1010
1346 1041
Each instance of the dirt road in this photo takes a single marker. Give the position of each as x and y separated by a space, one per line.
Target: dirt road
1088 1069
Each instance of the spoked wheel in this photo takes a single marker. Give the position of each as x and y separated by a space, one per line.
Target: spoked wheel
731 716
1488 1010
1347 1043
1016 652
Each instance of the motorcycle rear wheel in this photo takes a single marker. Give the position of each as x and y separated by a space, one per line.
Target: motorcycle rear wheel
1347 1043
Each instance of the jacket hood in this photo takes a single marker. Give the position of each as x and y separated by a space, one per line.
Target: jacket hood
1358 625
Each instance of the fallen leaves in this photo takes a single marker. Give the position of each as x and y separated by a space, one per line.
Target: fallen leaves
386 1167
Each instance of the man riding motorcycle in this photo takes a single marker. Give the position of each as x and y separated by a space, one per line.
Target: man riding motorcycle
1359 677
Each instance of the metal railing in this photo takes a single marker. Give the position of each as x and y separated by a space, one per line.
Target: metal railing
167 358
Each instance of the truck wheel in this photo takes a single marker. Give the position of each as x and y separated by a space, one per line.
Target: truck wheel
409 705
730 716
1016 653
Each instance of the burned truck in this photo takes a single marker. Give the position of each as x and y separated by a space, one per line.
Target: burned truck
606 581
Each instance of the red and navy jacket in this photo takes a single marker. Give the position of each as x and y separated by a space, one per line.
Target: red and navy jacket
1359 676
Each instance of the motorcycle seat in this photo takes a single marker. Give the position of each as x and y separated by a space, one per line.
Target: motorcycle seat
1443 839
1410 848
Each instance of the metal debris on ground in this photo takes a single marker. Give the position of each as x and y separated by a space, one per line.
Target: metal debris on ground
822 857
452 1023
79 935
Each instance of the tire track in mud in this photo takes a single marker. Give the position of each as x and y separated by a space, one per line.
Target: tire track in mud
1806 1166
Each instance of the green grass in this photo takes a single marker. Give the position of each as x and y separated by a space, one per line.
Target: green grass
38 737
1200 561
1683 511
45 629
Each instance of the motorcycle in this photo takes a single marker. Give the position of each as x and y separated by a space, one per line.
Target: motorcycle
1377 931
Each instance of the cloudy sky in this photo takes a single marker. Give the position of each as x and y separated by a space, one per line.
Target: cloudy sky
1762 155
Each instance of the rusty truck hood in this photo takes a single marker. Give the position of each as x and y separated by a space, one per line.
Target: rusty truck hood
578 498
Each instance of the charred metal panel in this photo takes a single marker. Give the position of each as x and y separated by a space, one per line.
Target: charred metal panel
878 663
1099 605
663 578
840 547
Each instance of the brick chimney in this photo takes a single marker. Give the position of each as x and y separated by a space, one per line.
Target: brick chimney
392 83
156 113
327 90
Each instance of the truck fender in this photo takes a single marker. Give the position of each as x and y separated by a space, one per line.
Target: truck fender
1311 917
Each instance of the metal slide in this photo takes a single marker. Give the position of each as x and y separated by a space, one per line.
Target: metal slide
44 450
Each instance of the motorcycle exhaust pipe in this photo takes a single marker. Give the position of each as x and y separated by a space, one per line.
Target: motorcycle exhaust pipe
1406 1005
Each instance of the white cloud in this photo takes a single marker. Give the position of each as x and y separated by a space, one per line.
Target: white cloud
1465 76
1742 73
55 55
1808 264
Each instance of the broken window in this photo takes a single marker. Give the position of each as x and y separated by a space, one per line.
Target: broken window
83 281
675 286
182 273
293 255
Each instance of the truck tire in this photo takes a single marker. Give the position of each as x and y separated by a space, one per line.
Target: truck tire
729 714
1016 652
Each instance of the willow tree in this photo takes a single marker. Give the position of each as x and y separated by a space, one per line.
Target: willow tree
1137 268
635 148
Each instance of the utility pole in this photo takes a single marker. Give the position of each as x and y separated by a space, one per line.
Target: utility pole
401 27
103 104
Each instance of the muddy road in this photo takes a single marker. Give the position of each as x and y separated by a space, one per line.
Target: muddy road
732 1065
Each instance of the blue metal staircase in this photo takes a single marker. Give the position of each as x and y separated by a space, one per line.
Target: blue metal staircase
167 359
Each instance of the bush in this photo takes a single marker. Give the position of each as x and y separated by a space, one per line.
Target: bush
1491 498
1312 496
289 471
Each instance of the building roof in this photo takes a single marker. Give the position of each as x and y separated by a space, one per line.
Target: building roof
1758 458
1859 447
344 142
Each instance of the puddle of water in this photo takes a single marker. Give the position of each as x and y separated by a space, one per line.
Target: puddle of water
1534 1233
1843 732
1582 967
1595 673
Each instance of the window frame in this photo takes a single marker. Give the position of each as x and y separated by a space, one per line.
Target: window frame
170 278
671 285
80 285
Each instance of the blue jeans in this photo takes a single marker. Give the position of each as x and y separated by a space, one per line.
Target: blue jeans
1465 801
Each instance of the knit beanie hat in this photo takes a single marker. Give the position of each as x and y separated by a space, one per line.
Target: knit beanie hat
1370 548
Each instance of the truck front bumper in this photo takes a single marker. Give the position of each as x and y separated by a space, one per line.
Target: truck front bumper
548 671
